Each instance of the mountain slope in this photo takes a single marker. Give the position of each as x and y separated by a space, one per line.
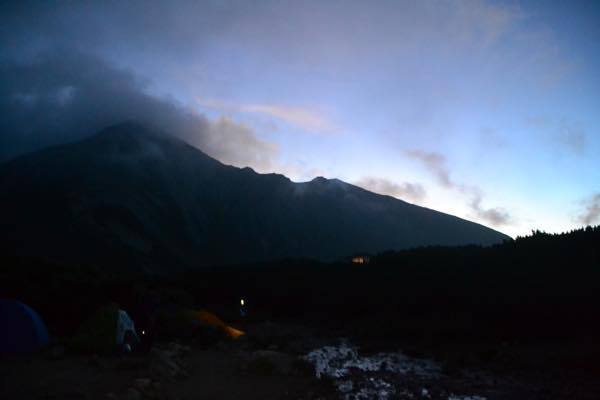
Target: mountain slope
134 197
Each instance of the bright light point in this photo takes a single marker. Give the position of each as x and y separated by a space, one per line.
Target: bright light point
143 332
242 302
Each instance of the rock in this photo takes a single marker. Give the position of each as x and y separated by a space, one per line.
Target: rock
165 362
172 366
345 386
148 388
176 349
169 368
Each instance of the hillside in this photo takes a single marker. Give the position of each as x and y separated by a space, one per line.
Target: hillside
131 197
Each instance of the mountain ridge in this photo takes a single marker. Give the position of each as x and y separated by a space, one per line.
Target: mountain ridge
134 196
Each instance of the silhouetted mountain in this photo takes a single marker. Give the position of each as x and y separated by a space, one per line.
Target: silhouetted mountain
131 196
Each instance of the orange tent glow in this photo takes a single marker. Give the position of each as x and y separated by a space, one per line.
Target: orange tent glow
233 333
212 320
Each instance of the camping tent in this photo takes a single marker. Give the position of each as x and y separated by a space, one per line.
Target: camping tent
211 319
109 329
21 328
174 321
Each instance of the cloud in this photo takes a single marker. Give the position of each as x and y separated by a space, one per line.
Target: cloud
482 21
569 135
496 216
305 118
436 164
412 192
237 144
490 139
572 136
67 95
299 171
591 212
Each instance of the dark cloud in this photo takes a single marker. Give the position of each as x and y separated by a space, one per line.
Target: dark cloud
67 95
591 212
412 192
315 30
144 26
436 163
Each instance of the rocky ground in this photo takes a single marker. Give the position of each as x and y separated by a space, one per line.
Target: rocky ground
247 368
274 361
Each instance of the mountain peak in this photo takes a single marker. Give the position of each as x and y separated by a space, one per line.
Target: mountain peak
129 129
133 195
133 139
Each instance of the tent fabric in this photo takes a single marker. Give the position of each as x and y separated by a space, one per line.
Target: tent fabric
212 320
181 322
233 333
105 331
124 325
21 328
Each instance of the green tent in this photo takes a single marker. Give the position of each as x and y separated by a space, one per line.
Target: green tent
108 330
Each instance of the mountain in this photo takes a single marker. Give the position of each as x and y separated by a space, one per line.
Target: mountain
132 197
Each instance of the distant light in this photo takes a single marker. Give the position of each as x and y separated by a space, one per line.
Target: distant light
242 302
143 332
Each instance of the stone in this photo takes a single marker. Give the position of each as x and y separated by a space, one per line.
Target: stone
345 386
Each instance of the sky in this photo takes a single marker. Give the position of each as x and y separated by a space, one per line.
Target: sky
487 110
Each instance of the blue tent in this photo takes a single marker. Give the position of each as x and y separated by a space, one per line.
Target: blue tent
21 328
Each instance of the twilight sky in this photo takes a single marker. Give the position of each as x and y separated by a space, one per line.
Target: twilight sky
488 110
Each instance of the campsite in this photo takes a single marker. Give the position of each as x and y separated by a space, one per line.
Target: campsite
300 317
299 200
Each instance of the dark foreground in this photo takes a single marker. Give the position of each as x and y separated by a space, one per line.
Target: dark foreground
271 363
516 321
169 371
